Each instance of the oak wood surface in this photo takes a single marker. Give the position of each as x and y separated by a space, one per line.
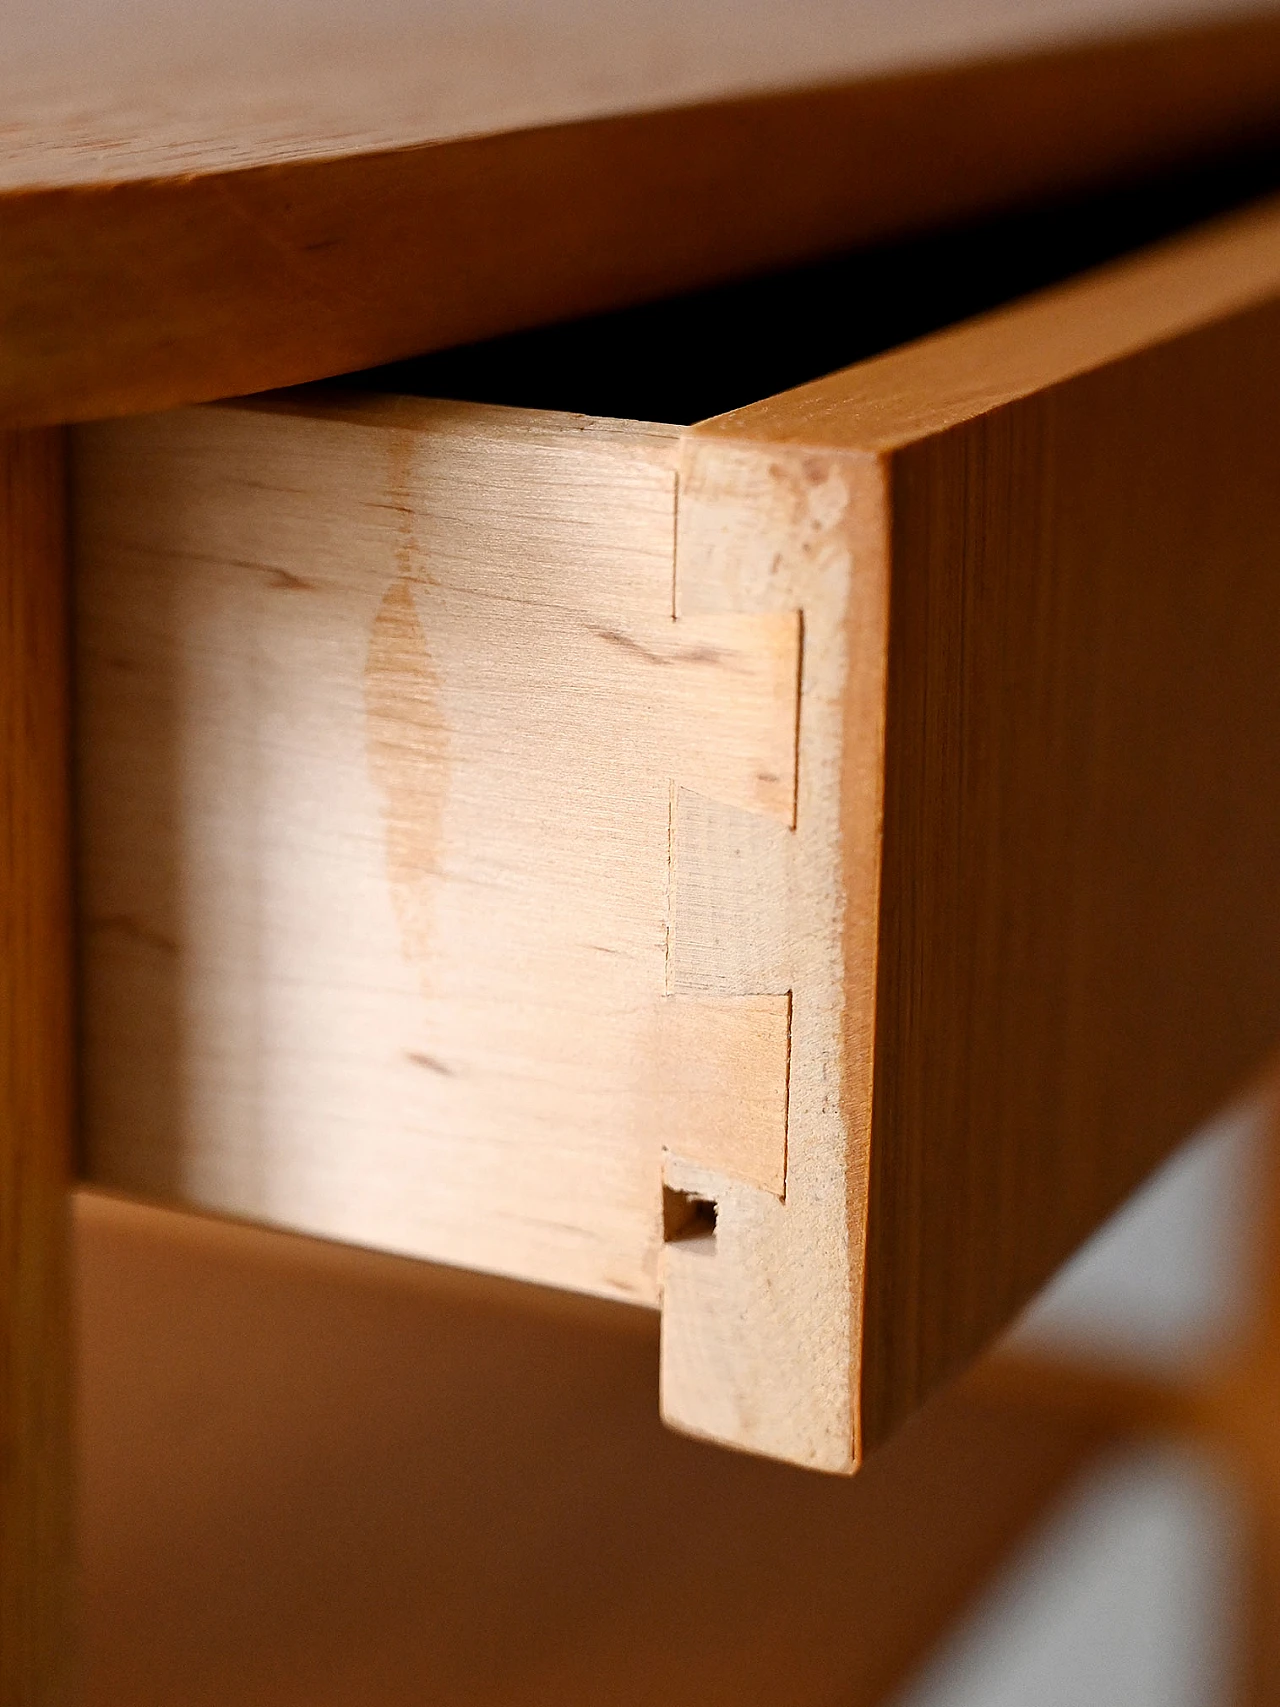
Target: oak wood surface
1059 527
313 1475
36 1072
245 205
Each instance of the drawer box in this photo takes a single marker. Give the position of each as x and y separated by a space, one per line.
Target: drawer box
802 870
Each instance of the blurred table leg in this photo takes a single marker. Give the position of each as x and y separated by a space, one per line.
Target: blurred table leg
1251 1427
36 1075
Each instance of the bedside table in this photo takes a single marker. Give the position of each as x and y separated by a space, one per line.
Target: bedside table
799 863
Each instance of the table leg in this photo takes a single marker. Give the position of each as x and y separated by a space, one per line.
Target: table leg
36 1075
1252 1431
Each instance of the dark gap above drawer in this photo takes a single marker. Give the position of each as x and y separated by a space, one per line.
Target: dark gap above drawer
685 358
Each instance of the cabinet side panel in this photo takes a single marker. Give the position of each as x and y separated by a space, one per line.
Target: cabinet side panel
1080 935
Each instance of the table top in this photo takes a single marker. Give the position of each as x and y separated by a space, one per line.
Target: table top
100 91
229 196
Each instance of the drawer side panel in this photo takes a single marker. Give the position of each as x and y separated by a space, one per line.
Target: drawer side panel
384 708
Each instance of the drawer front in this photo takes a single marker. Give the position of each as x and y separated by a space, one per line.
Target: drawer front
803 871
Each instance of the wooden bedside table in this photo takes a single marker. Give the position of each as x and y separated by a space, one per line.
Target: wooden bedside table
802 867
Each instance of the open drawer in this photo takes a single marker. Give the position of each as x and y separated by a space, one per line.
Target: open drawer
802 869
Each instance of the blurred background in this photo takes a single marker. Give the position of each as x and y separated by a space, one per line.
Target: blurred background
313 1474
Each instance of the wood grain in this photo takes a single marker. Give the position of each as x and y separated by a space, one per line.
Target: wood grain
389 745
35 1076
143 265
1058 529
312 1474
112 90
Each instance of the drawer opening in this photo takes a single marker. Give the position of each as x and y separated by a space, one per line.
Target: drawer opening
687 358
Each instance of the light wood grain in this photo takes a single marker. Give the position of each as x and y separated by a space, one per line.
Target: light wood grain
35 1075
1054 818
238 202
385 725
316 1475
